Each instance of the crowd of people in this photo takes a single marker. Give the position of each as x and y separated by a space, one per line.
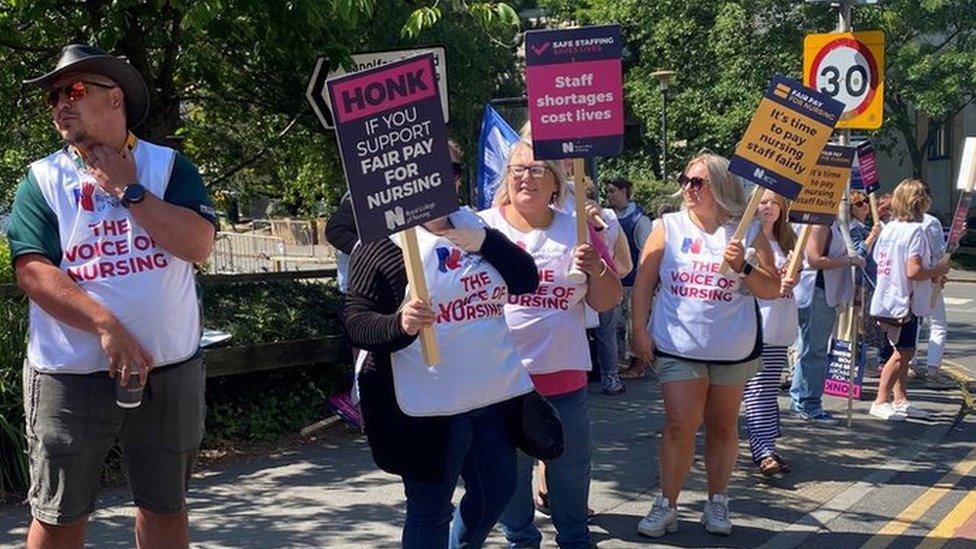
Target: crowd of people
508 310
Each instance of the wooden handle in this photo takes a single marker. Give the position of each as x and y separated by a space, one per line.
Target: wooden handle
579 178
873 201
747 217
801 243
418 290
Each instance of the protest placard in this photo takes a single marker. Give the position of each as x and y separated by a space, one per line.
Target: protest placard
393 144
839 372
818 201
868 170
783 142
574 79
393 141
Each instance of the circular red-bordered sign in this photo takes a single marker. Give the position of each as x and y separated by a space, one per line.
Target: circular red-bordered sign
873 77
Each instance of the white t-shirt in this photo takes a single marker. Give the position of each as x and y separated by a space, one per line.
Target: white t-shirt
698 313
548 325
780 316
478 366
895 296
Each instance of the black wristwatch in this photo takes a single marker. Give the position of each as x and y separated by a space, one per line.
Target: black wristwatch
746 269
133 194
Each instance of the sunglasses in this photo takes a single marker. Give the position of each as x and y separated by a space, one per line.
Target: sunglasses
860 203
73 92
518 171
692 183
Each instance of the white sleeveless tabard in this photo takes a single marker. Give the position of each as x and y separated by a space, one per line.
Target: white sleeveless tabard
698 313
113 259
479 366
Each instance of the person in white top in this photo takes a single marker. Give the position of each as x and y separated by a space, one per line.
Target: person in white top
938 323
904 292
704 331
549 333
780 328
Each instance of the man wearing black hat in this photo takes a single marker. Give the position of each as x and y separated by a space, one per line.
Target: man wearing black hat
104 234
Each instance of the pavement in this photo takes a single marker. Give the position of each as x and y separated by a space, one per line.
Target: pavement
875 484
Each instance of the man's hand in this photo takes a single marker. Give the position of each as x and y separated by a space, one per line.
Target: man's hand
125 355
112 169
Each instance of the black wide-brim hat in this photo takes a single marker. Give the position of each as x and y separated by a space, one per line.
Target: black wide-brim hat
82 58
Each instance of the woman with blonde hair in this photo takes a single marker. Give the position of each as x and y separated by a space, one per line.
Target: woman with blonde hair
550 336
780 321
704 337
906 274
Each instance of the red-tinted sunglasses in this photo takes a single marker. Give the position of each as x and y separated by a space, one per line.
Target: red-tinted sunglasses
693 183
72 92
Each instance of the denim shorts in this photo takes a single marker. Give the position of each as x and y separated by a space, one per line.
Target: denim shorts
73 422
669 369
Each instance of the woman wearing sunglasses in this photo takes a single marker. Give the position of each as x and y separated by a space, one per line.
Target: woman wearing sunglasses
550 336
704 337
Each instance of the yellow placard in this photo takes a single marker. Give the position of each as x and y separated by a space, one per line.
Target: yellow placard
849 67
821 194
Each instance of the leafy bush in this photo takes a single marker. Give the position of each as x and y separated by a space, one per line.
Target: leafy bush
649 191
13 319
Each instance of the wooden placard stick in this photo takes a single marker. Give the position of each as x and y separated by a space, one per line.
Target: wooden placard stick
418 290
873 201
575 275
747 217
798 252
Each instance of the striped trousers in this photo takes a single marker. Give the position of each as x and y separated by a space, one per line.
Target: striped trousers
762 408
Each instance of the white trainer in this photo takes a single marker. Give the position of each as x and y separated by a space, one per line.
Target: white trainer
662 518
908 409
886 412
716 516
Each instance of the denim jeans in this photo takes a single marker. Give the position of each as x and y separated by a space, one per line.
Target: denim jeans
606 342
816 324
482 452
567 477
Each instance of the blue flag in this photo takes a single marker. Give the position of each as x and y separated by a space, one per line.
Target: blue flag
496 140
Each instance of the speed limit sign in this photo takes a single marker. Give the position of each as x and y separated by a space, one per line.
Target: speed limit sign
849 67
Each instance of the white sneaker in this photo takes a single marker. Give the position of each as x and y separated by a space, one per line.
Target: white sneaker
660 519
886 412
716 516
908 409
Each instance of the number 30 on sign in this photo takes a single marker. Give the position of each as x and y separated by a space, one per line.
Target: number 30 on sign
849 67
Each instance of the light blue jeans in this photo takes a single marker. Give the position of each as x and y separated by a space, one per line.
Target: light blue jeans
568 479
606 342
816 324
482 452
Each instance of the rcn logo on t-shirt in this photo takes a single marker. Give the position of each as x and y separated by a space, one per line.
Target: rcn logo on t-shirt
87 199
448 259
692 246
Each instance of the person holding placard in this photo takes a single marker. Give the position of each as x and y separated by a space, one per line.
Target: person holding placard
825 284
864 239
779 332
549 333
432 424
906 274
705 332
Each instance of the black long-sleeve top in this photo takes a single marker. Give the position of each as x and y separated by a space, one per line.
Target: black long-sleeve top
414 447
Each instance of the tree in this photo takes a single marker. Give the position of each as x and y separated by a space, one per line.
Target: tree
727 50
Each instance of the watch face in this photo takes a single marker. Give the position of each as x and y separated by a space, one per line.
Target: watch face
134 192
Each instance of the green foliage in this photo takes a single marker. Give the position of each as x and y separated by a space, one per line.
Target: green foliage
267 312
13 318
725 52
649 191
492 16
